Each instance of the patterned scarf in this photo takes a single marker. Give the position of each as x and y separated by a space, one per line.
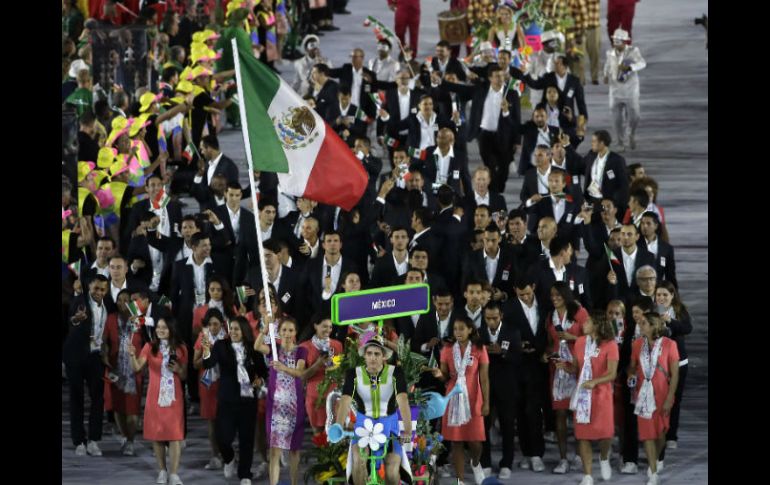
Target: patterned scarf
563 382
645 401
459 405
211 375
166 396
581 400
218 305
127 380
243 377
321 344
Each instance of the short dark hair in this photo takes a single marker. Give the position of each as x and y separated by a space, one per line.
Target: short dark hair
107 239
397 228
518 213
443 43
344 89
147 216
558 244
266 201
633 167
420 248
211 141
492 227
446 195
482 206
153 175
168 74
234 186
272 245
365 140
424 97
472 282
641 196
87 118
493 68
543 147
191 217
603 136
98 277
322 68
493 305
424 215
332 232
196 238
441 292
522 281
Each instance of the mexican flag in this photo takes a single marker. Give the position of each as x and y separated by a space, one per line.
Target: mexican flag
161 200
283 134
417 153
189 152
391 142
242 294
135 308
75 268
362 116
517 86
611 256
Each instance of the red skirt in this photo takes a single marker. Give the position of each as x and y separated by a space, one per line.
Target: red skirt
208 397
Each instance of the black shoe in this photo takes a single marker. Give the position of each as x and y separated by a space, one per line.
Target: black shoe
329 28
595 82
341 12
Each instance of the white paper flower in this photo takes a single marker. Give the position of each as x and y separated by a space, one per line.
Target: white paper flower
370 435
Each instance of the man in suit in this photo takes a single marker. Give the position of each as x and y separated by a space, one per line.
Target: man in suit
384 66
560 267
431 331
309 246
442 166
423 127
496 123
472 295
494 264
83 362
525 248
119 280
526 315
596 232
563 207
419 259
546 231
170 215
105 249
400 102
627 260
570 90
564 156
452 232
394 263
283 278
535 185
188 284
534 133
423 235
174 249
372 165
663 251
503 343
146 261
341 116
360 80
605 173
322 275
247 251
213 162
324 90
443 61
482 194
234 231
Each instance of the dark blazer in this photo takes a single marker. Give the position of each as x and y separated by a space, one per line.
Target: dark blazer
310 286
565 226
77 344
496 204
201 190
571 96
505 364
267 186
614 181
222 353
345 75
677 328
174 215
225 252
529 140
384 272
373 167
458 176
453 64
247 250
576 167
542 274
622 290
326 98
508 128
513 315
431 241
356 129
392 106
451 233
139 248
412 124
665 266
183 295
132 284
507 269
527 253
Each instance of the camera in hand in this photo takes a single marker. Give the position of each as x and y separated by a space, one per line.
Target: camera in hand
559 328
171 359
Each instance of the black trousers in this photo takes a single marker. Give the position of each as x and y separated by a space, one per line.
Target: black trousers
90 370
530 411
240 417
630 428
674 423
502 399
495 156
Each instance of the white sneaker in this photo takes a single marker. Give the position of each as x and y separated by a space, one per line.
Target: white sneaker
587 480
80 450
671 444
577 462
660 466
478 473
284 459
445 471
128 449
537 464
550 437
162 477
505 473
93 449
245 481
606 469
184 444
214 464
524 464
562 467
261 470
629 468
230 469
174 479
654 479
488 471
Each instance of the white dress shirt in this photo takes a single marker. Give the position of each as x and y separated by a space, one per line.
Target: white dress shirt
199 279
402 266
427 133
102 271
542 181
335 274
212 167
481 200
475 317
355 89
403 104
558 273
597 169
559 206
114 290
235 220
629 262
442 164
531 314
413 242
277 279
494 334
491 265
561 81
653 247
490 115
99 318
268 233
313 247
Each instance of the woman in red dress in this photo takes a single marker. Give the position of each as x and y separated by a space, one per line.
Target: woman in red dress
564 326
595 362
219 296
465 363
208 383
164 409
124 395
320 350
655 366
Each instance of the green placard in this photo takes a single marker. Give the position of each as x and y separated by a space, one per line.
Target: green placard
380 303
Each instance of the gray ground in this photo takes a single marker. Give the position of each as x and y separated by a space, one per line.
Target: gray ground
673 146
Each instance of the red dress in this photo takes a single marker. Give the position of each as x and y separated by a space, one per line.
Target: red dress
208 395
650 429
114 398
575 329
198 315
163 424
602 425
474 429
317 416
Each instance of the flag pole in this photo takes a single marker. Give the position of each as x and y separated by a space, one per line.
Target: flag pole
247 143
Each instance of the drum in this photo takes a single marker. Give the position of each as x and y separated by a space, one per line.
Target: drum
453 27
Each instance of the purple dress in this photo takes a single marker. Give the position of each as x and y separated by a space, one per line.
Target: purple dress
285 410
